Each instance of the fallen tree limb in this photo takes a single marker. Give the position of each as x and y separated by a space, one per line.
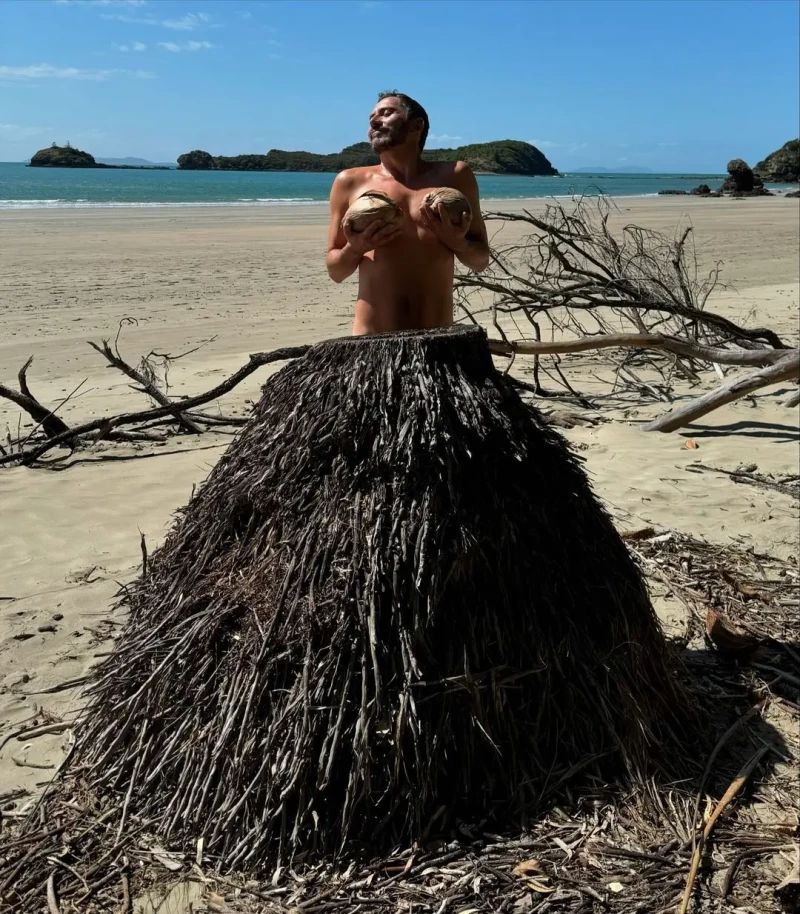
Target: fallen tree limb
792 400
145 386
787 368
101 427
682 347
23 398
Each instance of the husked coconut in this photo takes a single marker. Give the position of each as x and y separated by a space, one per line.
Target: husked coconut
454 202
370 207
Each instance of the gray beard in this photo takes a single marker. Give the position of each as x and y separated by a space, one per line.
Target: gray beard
389 140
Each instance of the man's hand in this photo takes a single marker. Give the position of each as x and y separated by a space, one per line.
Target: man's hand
452 235
374 236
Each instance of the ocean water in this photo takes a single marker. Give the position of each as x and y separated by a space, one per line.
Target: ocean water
54 188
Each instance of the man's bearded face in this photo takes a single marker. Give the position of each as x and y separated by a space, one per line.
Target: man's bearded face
388 126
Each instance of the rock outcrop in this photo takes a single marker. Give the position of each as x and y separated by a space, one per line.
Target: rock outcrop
196 160
742 181
63 157
783 165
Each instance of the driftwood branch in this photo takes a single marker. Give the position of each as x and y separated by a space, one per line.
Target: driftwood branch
682 347
145 385
787 368
100 428
792 400
23 398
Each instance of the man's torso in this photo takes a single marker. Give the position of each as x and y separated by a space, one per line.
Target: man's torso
407 284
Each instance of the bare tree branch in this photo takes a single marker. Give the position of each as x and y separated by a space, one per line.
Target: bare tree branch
641 341
145 385
101 427
52 424
788 368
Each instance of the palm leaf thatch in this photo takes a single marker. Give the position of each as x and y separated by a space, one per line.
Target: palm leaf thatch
395 604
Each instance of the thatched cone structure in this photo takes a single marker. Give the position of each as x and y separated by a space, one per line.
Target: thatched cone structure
394 603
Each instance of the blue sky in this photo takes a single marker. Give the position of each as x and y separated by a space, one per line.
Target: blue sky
672 85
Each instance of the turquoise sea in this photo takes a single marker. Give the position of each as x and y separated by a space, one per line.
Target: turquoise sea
54 188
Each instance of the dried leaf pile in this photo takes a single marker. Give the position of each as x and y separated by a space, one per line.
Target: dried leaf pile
394 608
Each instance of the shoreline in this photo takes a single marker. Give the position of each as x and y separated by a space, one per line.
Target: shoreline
316 211
12 205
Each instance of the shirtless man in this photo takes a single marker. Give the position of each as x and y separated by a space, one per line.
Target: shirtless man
405 274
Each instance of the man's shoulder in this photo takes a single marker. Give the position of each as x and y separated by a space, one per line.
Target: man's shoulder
352 176
450 168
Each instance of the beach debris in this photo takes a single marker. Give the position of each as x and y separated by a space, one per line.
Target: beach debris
691 444
633 302
453 201
608 824
371 207
727 638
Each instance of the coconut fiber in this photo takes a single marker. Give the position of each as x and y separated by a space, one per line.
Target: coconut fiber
394 605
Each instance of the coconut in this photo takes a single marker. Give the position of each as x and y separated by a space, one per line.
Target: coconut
454 202
370 207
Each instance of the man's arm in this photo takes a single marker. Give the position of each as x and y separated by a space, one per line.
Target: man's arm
345 249
475 251
340 260
468 240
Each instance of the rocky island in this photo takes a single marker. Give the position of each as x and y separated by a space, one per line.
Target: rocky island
501 157
783 165
56 156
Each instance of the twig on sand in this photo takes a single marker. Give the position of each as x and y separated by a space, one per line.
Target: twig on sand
736 785
52 901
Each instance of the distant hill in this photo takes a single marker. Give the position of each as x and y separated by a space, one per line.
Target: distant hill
783 165
502 157
132 161
602 170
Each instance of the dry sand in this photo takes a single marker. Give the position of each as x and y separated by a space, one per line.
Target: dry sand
252 279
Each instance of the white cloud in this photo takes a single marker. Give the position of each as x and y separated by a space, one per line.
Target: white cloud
443 138
551 144
136 20
48 71
188 23
244 14
127 48
101 2
176 48
18 132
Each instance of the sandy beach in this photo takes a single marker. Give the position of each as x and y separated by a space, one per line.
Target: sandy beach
238 280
